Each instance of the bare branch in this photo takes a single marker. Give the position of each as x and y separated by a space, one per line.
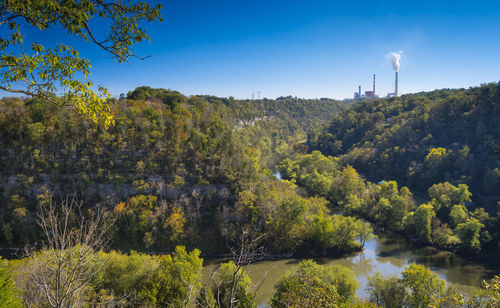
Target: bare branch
59 275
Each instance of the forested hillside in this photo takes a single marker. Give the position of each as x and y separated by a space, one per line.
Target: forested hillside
444 221
270 126
197 172
169 167
423 139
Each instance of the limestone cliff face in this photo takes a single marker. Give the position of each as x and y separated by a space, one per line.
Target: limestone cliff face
111 192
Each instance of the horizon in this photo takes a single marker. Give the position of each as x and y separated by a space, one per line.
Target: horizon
116 96
306 50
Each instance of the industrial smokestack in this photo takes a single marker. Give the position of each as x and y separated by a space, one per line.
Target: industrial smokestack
373 84
396 65
360 91
396 85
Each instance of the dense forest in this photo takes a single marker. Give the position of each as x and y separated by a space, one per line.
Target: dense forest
444 221
423 139
168 168
431 160
158 199
128 211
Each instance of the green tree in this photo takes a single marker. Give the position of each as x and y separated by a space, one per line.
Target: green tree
305 291
422 221
442 235
145 280
445 195
126 275
40 70
10 296
315 285
364 230
336 233
458 215
348 183
353 205
423 285
177 279
386 291
469 233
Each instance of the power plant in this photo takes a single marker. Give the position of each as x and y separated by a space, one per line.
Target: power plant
372 94
368 94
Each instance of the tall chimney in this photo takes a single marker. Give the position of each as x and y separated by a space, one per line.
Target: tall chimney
373 84
360 91
396 85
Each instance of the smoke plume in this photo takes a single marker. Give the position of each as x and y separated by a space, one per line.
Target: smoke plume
395 60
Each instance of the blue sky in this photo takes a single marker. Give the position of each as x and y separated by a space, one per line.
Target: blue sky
308 48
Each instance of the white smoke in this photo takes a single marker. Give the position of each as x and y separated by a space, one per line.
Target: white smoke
395 60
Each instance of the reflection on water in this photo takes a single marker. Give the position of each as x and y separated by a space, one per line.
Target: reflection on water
388 254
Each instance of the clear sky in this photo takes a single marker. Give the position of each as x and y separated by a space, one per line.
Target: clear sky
309 48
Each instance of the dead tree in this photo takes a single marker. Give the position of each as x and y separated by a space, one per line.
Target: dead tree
246 249
59 274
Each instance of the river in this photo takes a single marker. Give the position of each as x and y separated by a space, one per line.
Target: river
388 254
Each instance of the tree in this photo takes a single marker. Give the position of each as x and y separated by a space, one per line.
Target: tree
469 233
422 220
305 291
177 278
491 292
348 183
445 195
231 287
10 296
127 276
458 215
39 70
336 233
386 292
419 287
423 285
59 275
150 280
364 230
313 285
442 235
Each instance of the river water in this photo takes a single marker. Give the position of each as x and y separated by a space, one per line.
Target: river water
389 254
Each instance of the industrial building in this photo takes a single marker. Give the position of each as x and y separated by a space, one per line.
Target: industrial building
372 94
368 94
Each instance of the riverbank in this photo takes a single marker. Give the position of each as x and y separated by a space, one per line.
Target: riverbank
389 254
